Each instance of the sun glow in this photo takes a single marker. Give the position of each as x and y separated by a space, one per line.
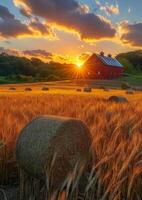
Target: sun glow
79 70
79 65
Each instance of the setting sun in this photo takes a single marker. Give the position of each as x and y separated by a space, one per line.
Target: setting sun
79 65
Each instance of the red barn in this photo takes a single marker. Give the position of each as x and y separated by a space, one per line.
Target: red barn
99 66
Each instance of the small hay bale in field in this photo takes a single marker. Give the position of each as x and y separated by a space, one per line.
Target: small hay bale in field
125 86
87 89
45 89
106 90
78 90
129 92
12 89
102 87
28 89
117 99
53 142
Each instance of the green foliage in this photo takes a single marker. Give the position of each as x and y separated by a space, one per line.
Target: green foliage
128 66
24 78
15 69
53 77
22 69
132 61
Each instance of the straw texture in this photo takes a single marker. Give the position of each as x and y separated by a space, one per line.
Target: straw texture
53 142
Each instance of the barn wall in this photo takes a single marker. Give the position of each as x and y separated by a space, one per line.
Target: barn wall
104 72
94 68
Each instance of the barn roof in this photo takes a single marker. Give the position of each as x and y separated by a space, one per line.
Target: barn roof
107 60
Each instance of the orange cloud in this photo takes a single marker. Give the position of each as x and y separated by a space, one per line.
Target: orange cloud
131 33
108 9
46 56
71 15
13 52
41 29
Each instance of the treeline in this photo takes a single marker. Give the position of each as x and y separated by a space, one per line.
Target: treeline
132 61
24 69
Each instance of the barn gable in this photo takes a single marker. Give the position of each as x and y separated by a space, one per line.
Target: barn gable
99 66
101 58
108 60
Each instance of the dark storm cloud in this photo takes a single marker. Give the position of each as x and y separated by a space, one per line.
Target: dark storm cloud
9 26
131 33
71 15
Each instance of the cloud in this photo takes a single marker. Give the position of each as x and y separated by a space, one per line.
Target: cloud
12 27
84 56
41 28
129 10
38 53
46 56
25 13
9 26
131 33
70 15
109 9
9 51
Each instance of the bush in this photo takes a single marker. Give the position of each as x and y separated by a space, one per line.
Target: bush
24 78
53 78
128 66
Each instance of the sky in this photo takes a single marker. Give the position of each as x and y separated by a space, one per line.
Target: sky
69 30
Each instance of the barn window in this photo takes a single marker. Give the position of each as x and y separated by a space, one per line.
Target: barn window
99 72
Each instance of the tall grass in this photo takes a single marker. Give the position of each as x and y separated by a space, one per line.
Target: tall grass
116 131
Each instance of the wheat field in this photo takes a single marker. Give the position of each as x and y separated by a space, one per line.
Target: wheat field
116 131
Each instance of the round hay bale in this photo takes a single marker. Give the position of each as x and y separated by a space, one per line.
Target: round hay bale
129 92
28 89
106 90
47 138
117 99
78 90
102 87
12 88
125 86
45 89
87 89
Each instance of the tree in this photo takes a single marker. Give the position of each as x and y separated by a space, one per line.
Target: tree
128 66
